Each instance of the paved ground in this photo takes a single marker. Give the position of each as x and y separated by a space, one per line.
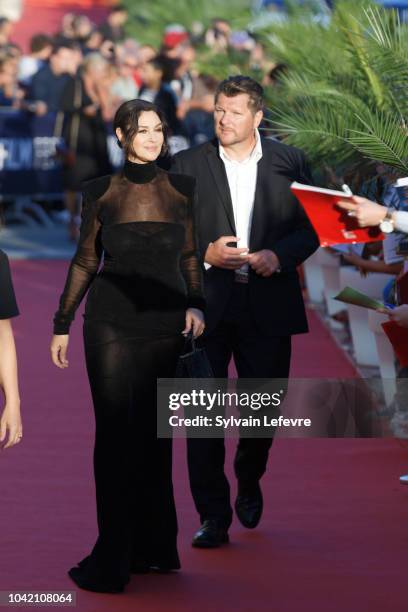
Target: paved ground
21 242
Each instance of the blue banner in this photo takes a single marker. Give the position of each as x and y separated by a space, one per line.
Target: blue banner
28 161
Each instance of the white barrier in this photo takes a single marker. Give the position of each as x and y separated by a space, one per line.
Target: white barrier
365 348
314 280
330 265
385 353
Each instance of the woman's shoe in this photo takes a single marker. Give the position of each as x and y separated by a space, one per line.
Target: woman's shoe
85 576
77 576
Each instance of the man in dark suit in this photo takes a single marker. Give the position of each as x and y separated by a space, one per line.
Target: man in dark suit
252 234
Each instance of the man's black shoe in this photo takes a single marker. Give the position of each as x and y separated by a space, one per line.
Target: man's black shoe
210 535
249 505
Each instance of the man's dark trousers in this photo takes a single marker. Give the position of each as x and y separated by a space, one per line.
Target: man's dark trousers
255 356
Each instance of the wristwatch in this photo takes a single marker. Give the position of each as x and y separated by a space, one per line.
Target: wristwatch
387 224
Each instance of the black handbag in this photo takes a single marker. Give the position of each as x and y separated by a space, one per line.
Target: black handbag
193 363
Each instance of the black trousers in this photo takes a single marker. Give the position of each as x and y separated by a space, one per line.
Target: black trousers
255 356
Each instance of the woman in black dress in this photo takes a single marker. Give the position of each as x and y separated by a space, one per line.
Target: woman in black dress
10 421
147 296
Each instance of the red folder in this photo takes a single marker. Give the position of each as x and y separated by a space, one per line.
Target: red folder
332 224
398 336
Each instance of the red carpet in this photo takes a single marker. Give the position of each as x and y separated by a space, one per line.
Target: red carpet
333 537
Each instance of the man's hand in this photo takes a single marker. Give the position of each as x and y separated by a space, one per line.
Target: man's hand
222 256
264 262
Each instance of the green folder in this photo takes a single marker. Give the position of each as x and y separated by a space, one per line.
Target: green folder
352 296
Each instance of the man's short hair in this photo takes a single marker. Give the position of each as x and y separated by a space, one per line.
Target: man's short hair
239 84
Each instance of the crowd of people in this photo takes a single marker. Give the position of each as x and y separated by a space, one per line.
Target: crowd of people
85 71
127 68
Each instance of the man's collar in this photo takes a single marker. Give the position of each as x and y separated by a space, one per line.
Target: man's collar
255 154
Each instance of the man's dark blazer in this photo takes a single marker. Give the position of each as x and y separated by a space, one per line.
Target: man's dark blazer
279 223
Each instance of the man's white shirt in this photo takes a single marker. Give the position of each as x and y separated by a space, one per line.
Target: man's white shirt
241 176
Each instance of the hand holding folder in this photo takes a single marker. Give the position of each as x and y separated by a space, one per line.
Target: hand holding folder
397 335
332 224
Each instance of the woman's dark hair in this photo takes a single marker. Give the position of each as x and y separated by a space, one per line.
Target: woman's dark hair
127 119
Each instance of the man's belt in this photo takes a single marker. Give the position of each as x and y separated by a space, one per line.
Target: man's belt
241 277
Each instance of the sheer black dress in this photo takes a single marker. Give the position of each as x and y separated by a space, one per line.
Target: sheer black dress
141 221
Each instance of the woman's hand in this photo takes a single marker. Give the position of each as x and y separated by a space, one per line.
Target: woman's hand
11 422
194 322
58 348
366 212
398 314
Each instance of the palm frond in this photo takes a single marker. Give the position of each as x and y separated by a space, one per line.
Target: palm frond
382 137
345 101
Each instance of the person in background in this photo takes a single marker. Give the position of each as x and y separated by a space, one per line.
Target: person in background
175 37
197 112
86 105
10 421
182 84
40 51
49 82
92 42
113 28
156 90
82 27
371 214
218 36
144 54
10 93
67 30
272 76
6 29
124 87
